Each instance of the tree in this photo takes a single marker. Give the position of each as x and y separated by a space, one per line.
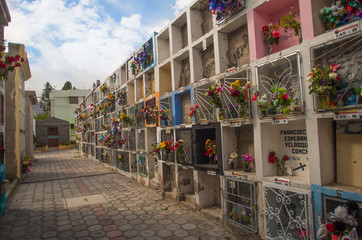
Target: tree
41 116
44 100
67 85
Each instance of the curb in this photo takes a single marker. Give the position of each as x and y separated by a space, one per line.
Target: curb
10 188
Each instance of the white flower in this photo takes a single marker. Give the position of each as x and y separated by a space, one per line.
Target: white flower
335 14
334 8
321 11
333 76
341 212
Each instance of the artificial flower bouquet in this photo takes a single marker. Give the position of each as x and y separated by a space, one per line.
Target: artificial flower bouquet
288 22
193 111
325 82
214 96
27 162
156 150
248 161
279 163
342 223
211 151
241 96
126 120
180 151
8 63
271 36
104 88
122 97
340 13
167 150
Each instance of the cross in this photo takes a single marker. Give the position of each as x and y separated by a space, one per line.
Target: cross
302 166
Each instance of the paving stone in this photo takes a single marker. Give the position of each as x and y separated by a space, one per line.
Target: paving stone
95 228
81 234
134 211
180 233
110 228
65 234
181 221
97 234
114 234
164 233
125 227
140 227
136 221
92 222
165 221
173 227
64 228
49 234
79 228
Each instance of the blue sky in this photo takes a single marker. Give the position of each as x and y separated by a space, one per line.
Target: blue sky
83 40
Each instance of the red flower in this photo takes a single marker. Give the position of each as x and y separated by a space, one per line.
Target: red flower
276 34
271 159
197 106
17 65
2 65
170 147
254 97
330 227
11 59
17 57
265 29
285 97
156 150
285 158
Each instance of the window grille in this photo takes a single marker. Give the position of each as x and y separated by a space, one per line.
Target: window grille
166 104
281 74
185 136
142 165
240 203
288 212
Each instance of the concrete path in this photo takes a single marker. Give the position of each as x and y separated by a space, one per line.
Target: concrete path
70 197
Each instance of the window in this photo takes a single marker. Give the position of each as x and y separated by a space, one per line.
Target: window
73 100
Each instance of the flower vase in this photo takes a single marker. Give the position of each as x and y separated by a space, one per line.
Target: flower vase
323 101
242 112
247 168
269 49
262 113
280 171
219 114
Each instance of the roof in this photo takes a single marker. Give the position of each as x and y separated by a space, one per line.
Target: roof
69 93
5 17
32 96
51 121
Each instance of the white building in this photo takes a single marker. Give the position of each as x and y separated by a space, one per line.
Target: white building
63 102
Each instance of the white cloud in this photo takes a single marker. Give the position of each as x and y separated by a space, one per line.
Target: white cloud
76 41
180 5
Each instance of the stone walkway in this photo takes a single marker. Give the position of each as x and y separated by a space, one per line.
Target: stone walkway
41 206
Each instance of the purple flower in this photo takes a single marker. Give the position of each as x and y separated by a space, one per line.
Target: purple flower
323 82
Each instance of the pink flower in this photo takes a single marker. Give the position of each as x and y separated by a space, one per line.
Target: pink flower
276 34
285 97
